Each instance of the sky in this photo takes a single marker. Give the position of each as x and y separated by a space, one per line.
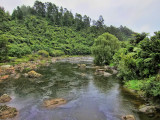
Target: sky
138 15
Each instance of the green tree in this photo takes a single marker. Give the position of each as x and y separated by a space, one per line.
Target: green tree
86 21
100 22
3 48
104 48
78 22
39 8
4 18
17 13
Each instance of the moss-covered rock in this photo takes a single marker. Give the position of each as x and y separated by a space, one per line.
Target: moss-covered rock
5 98
7 112
33 74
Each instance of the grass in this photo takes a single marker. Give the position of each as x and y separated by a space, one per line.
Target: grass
134 84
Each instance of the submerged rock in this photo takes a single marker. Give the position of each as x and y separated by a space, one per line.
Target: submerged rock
82 65
54 102
33 74
5 98
128 117
149 110
83 74
7 112
25 75
17 76
99 71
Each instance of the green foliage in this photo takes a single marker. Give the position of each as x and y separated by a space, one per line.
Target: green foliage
19 50
4 18
127 67
55 53
104 48
139 58
152 86
43 53
3 48
17 14
134 84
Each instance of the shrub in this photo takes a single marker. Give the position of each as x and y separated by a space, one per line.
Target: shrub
43 53
19 50
55 53
152 86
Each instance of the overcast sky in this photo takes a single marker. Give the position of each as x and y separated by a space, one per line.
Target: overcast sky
139 15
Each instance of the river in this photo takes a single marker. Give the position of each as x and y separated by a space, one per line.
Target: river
90 97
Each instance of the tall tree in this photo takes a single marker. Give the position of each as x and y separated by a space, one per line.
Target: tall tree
78 21
100 22
86 21
17 14
4 18
39 8
3 48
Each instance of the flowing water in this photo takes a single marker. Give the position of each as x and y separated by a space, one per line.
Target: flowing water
89 97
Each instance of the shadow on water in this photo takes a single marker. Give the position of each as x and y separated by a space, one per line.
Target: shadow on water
90 97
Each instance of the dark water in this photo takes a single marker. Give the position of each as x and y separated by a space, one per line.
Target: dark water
89 97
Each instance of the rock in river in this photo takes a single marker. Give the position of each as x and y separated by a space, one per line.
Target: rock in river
4 77
128 117
5 98
106 74
33 74
149 110
7 112
82 65
5 66
54 102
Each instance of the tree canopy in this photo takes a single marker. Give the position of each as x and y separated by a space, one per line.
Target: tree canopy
104 48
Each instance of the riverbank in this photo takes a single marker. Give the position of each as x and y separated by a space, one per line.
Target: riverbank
140 88
17 66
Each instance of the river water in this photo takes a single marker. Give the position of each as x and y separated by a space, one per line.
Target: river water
90 97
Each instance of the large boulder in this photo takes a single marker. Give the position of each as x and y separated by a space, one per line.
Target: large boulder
114 71
7 112
149 110
128 117
5 98
33 74
54 102
106 74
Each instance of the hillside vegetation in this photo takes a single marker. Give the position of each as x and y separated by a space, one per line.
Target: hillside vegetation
50 28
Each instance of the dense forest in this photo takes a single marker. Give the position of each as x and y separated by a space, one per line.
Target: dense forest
54 31
51 29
